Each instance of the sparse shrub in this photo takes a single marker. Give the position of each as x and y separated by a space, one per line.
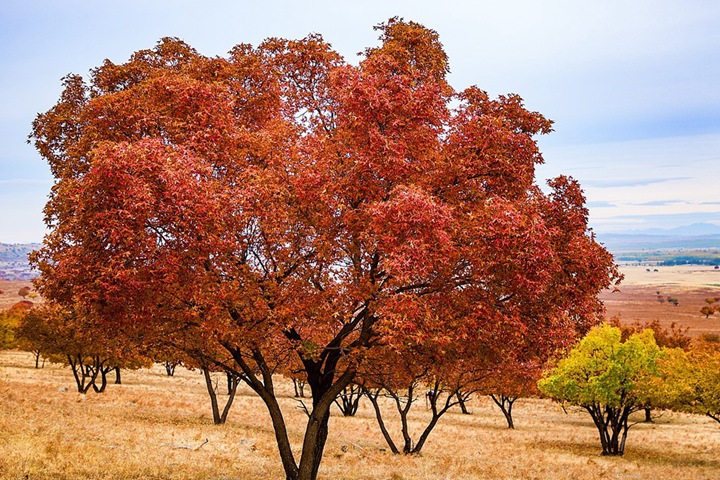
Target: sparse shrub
709 338
672 337
710 308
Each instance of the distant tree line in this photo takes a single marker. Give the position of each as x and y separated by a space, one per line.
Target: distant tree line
671 257
691 260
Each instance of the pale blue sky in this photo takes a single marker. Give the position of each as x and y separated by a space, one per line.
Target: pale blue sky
634 87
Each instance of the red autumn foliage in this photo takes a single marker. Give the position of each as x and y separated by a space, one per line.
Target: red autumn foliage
281 202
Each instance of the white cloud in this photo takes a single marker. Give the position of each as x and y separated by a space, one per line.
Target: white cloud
638 177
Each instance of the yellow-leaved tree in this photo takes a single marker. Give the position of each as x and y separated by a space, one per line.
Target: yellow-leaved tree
608 378
691 380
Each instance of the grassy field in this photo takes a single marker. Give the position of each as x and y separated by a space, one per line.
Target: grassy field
159 427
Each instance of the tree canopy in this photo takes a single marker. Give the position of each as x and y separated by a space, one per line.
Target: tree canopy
608 378
282 202
691 380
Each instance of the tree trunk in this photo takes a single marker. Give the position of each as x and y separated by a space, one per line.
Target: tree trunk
170 368
648 415
213 396
299 386
85 375
103 376
231 397
378 415
314 443
604 439
506 405
436 414
37 359
614 444
612 425
103 383
508 415
403 404
324 392
326 382
217 418
624 437
325 388
461 401
349 400
118 379
425 434
79 376
264 387
403 411
232 383
281 436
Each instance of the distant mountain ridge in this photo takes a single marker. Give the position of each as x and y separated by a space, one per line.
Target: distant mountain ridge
12 252
695 236
14 263
693 230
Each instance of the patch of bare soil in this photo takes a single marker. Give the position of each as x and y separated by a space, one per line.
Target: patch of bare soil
10 289
643 296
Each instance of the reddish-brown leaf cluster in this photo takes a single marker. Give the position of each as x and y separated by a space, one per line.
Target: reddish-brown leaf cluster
282 202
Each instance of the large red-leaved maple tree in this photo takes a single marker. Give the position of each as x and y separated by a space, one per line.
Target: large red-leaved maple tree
283 203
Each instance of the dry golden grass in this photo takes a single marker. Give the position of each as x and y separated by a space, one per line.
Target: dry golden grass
678 276
154 427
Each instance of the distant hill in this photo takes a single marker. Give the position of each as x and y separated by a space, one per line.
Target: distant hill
690 237
12 252
14 261
617 242
693 230
693 244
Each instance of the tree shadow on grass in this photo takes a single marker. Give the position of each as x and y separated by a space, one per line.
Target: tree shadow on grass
577 447
633 453
653 456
